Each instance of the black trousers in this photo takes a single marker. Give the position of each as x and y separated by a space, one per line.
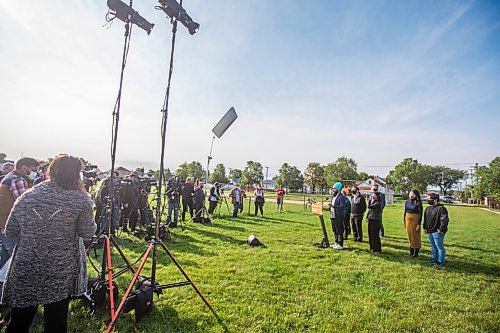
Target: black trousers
187 204
374 236
357 227
347 227
338 229
131 213
211 207
259 206
55 316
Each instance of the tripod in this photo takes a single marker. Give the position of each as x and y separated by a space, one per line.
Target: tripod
156 242
223 199
105 235
201 213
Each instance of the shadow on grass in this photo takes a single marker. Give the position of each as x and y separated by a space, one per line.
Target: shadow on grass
211 234
453 263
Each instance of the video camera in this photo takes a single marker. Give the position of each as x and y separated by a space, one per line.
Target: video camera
174 187
89 173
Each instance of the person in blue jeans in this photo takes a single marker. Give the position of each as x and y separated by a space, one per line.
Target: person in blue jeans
237 198
435 226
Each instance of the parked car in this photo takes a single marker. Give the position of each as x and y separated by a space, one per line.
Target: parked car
448 199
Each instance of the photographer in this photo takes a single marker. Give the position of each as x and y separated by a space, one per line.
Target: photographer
174 189
48 266
104 197
199 202
214 197
187 198
130 199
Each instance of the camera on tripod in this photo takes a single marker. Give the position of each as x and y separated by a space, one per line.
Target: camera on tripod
89 174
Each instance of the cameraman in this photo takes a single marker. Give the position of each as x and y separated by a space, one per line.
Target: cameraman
130 200
199 202
173 190
214 197
105 201
187 198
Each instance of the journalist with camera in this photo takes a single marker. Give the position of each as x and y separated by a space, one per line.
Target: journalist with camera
135 193
214 197
106 207
174 190
187 198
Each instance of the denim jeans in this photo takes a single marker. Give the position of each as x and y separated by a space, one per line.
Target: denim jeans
175 207
438 252
236 206
6 248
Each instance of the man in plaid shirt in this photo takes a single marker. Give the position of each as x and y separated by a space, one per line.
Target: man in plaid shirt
12 186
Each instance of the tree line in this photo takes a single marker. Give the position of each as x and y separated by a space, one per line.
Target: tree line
407 175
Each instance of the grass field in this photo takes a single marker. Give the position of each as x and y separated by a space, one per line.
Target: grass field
291 286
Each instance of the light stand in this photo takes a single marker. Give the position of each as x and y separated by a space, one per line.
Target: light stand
117 9
156 241
209 158
106 273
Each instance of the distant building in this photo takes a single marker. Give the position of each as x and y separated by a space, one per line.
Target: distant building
269 184
122 172
365 188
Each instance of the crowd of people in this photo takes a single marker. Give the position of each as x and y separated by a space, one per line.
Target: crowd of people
348 208
46 212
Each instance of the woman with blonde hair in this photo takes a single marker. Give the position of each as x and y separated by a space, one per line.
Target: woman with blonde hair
48 265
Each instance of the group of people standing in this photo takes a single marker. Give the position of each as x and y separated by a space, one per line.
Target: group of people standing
347 211
45 225
351 207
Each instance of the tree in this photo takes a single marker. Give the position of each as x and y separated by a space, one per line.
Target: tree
252 174
443 177
2 156
235 173
193 169
407 175
313 176
363 175
182 170
290 177
344 168
218 175
489 179
167 174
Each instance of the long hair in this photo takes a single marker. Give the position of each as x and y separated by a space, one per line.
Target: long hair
418 199
65 171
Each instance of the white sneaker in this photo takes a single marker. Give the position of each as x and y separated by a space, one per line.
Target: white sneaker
333 245
337 247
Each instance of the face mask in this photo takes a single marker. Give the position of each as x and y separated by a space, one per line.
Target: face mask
430 202
32 175
354 192
81 175
413 197
374 189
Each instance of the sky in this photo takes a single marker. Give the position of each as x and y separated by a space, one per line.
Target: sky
311 81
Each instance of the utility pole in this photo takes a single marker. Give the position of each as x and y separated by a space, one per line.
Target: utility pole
267 171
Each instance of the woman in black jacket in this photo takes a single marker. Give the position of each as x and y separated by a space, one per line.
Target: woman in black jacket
374 217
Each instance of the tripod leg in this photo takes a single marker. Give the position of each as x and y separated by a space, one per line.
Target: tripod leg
115 243
129 288
186 276
110 277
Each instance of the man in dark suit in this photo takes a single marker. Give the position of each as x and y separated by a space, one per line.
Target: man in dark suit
337 215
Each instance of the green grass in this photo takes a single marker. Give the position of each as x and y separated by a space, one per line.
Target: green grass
291 286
